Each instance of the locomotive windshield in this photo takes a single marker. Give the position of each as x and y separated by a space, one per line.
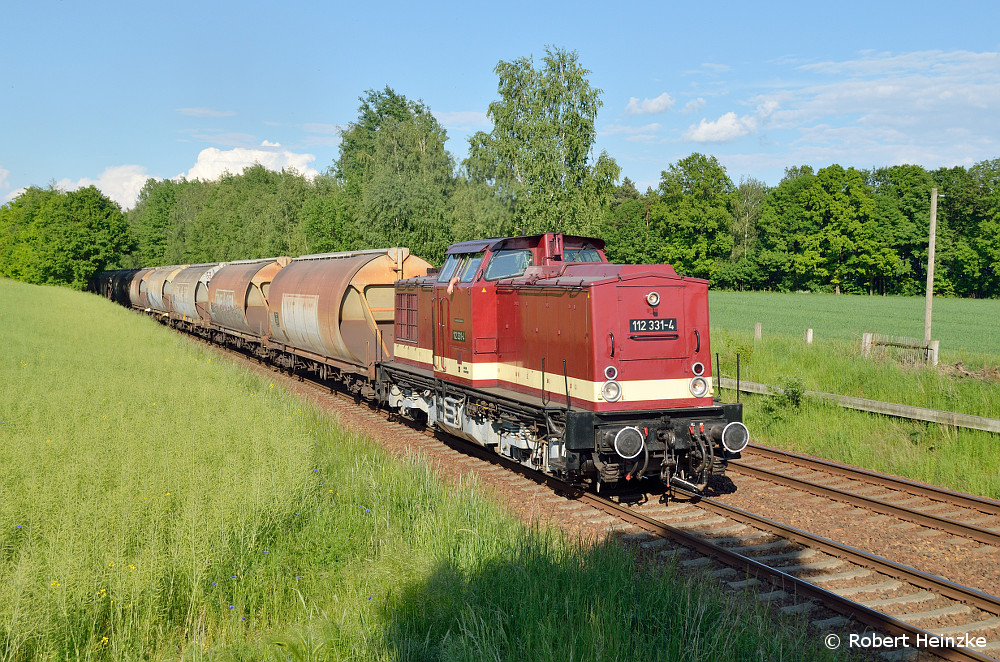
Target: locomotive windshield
508 263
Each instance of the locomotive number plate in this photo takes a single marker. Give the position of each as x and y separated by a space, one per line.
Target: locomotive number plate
657 325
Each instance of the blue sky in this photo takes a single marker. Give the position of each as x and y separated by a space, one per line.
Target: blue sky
111 93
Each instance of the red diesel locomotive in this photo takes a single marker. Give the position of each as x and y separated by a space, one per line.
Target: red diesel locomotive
535 346
541 349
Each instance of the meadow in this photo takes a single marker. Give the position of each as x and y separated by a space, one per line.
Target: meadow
962 459
161 503
969 329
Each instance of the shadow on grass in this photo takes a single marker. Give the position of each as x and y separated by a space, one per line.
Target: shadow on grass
558 602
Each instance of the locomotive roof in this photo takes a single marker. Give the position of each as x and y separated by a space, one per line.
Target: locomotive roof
476 245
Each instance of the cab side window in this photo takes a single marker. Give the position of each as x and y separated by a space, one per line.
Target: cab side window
508 263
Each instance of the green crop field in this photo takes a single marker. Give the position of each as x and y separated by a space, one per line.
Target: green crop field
160 503
959 458
967 328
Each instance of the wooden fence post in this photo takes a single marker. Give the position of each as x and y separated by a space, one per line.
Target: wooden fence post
866 345
932 352
757 331
809 336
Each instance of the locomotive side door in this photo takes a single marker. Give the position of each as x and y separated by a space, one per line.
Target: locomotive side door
442 309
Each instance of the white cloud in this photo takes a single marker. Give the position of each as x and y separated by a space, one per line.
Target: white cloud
726 128
321 141
660 104
14 194
4 174
213 162
935 108
205 112
120 183
931 63
716 67
646 134
731 126
694 105
931 107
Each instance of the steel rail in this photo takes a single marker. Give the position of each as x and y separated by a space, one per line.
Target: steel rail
939 585
802 587
902 512
983 504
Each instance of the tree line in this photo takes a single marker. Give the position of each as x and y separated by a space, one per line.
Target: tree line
395 183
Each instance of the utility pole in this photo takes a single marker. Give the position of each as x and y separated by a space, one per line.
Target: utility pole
930 270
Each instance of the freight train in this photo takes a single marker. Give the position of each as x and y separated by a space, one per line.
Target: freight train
535 346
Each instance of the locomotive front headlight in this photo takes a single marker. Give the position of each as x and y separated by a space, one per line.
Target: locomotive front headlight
698 387
653 299
698 369
611 391
611 372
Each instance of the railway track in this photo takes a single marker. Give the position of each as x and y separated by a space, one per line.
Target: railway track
844 591
967 515
809 573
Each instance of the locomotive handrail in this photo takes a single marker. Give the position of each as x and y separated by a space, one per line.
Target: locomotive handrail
531 286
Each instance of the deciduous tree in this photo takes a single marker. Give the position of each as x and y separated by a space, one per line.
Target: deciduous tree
539 155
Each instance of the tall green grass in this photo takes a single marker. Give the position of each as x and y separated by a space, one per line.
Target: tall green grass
835 366
964 460
160 503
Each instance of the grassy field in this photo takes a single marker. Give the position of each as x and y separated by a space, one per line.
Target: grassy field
967 328
962 459
159 503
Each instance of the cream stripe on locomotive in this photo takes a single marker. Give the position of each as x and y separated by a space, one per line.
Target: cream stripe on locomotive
636 390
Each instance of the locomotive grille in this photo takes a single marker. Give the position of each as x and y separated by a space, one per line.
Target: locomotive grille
406 316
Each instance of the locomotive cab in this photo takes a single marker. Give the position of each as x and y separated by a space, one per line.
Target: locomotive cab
464 300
